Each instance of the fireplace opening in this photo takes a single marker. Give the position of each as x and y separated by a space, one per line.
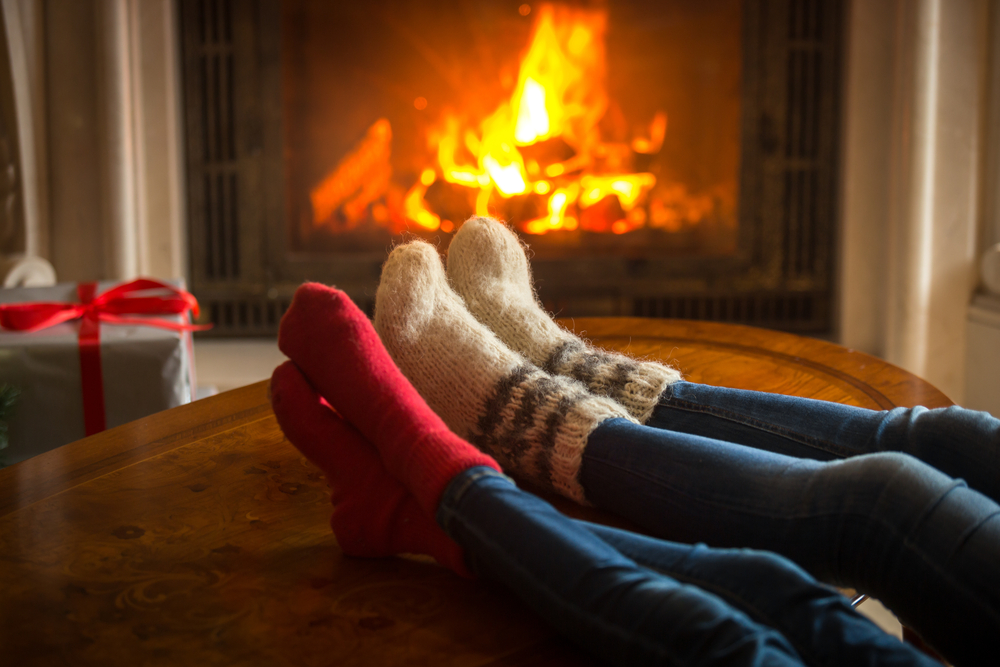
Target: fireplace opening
593 131
664 159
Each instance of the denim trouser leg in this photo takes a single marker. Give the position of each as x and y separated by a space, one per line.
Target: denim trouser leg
619 610
958 442
886 524
818 621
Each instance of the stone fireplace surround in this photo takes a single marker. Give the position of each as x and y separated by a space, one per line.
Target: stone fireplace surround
95 98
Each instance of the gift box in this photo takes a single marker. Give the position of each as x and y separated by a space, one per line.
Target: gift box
91 356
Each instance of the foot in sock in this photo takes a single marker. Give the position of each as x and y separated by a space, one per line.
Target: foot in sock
535 424
373 515
337 349
488 268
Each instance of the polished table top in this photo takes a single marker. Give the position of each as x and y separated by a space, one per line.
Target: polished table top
199 535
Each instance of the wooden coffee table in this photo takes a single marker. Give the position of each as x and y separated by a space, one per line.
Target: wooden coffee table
199 536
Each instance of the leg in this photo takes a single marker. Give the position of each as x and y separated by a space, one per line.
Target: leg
818 621
624 613
335 347
921 542
616 593
488 267
534 424
374 515
590 590
958 442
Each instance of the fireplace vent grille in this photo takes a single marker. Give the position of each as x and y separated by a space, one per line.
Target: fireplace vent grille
805 254
791 312
220 242
247 316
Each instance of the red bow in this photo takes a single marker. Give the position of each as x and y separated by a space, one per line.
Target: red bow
107 307
94 309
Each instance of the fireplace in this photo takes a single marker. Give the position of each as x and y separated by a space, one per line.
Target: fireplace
667 159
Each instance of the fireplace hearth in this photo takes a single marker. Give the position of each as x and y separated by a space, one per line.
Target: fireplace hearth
667 159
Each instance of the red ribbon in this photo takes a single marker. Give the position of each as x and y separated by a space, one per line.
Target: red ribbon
91 311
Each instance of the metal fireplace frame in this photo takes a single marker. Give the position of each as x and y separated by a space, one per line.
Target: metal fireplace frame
781 276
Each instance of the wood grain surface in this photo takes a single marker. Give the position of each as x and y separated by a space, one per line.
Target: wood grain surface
199 535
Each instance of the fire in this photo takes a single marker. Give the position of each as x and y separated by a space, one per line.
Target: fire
532 116
559 95
557 218
559 83
541 145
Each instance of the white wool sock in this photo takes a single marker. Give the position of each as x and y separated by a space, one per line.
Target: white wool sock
488 268
534 424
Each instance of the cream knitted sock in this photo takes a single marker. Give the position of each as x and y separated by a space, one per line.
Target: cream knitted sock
535 425
488 268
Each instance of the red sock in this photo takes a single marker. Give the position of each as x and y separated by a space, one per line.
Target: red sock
337 349
373 515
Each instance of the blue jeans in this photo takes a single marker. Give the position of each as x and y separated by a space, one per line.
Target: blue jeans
839 490
633 600
958 442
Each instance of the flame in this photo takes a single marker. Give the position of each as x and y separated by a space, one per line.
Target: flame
657 132
560 91
559 202
627 187
559 94
414 206
532 116
507 177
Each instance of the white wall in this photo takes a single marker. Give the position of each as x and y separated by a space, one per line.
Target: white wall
102 144
982 386
913 131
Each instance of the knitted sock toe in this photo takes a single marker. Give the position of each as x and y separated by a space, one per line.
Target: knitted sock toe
373 514
536 425
488 268
336 348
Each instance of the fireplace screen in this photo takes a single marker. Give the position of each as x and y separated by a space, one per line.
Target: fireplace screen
663 158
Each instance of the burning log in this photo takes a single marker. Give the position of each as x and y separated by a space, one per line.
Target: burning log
521 207
357 181
545 153
606 216
452 202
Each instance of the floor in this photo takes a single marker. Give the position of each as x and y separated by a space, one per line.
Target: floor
884 618
224 364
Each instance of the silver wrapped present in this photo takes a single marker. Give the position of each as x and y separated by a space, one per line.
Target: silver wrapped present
143 369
